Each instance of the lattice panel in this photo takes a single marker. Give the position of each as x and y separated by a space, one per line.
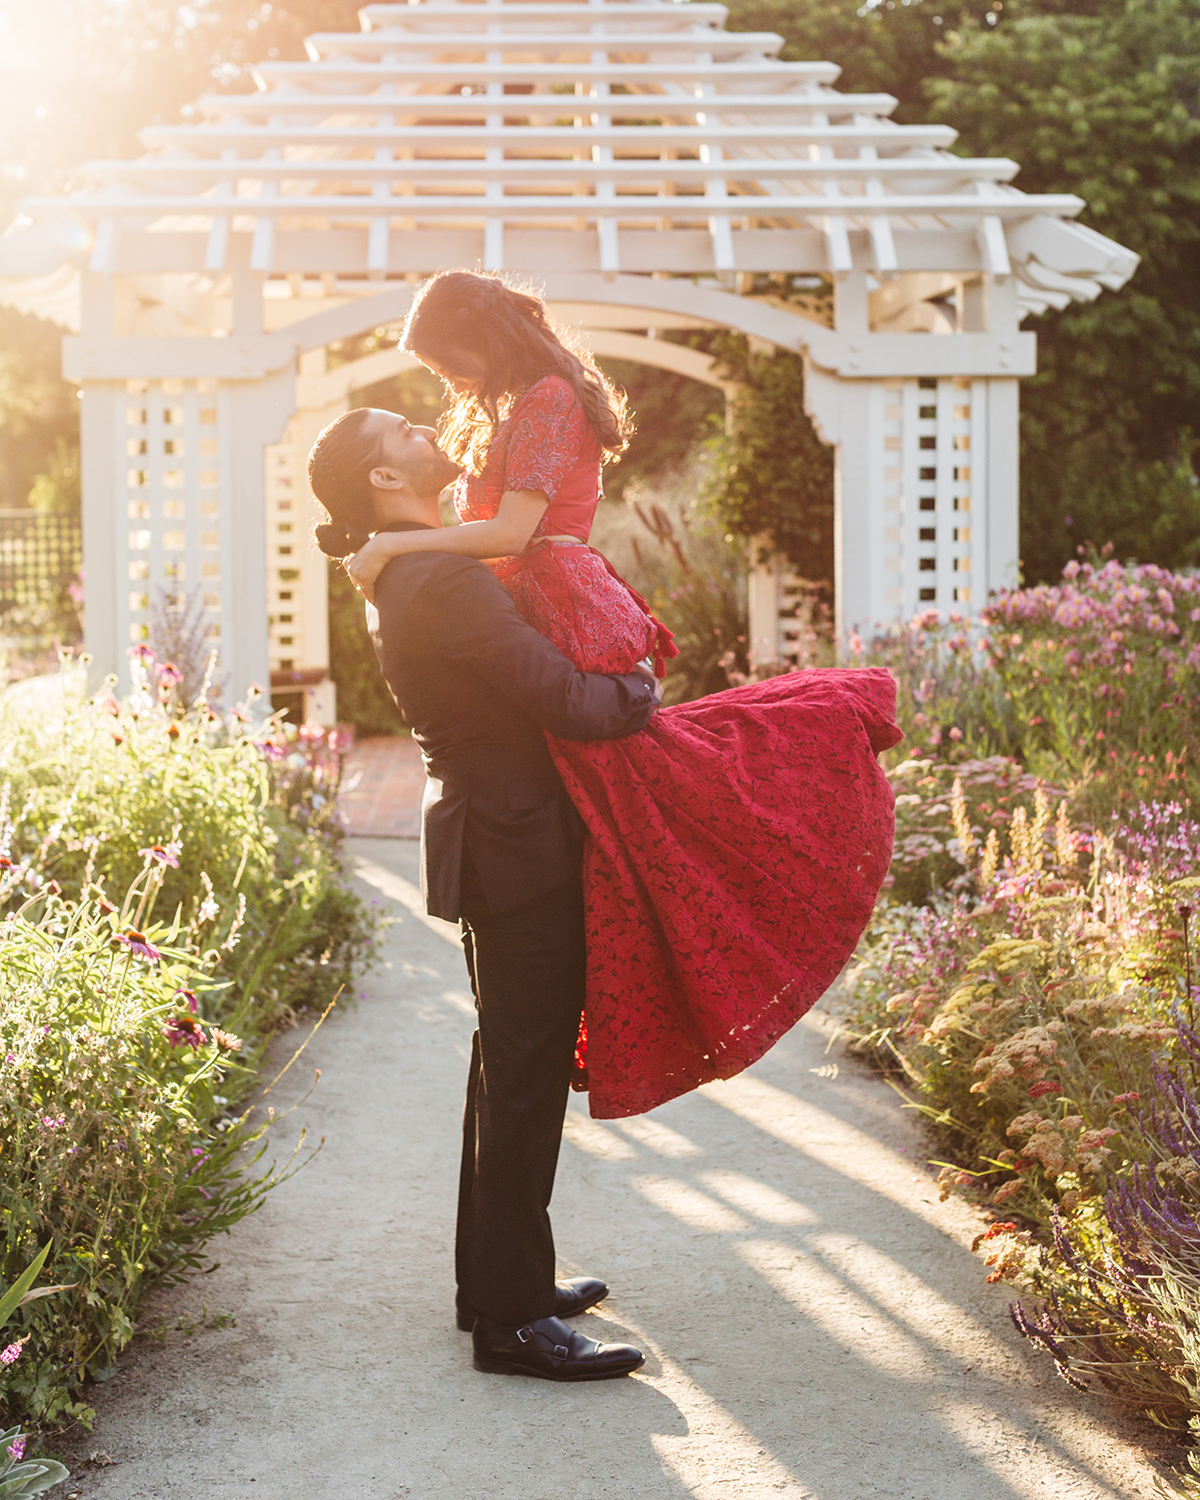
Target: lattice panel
173 534
933 431
288 550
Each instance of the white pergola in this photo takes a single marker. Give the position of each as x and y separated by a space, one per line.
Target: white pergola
643 166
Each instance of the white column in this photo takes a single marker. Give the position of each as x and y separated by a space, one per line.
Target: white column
852 415
925 493
999 525
763 601
258 415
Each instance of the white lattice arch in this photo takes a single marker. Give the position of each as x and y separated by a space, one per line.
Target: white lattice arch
651 172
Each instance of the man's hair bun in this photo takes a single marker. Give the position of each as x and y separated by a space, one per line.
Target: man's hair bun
334 541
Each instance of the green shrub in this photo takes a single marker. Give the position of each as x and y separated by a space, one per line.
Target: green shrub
362 695
111 1145
243 814
171 892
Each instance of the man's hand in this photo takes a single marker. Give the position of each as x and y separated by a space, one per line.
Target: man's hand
369 561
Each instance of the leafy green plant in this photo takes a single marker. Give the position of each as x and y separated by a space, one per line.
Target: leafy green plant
237 815
171 892
16 1477
21 1476
113 1145
770 472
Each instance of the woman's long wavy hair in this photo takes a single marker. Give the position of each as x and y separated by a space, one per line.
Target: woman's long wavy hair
476 327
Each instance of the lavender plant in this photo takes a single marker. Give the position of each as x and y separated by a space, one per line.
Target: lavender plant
1120 1286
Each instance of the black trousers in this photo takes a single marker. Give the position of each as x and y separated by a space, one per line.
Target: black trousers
528 970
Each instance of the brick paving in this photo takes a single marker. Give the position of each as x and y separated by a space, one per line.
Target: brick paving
382 783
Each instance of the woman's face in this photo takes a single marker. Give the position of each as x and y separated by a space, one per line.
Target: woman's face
461 385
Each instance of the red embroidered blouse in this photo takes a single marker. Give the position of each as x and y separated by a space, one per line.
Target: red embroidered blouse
545 443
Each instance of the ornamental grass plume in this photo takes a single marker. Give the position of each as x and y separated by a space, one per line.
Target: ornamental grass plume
961 824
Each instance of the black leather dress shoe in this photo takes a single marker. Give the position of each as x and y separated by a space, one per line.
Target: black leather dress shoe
570 1299
550 1350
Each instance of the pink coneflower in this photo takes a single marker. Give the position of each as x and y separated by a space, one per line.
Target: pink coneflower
140 652
169 674
138 944
183 1031
189 998
162 854
226 1040
6 863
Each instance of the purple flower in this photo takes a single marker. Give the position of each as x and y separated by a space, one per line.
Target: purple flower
183 1031
7 1356
189 997
169 674
139 945
16 1450
162 854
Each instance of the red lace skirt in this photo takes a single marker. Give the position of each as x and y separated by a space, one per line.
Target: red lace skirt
736 847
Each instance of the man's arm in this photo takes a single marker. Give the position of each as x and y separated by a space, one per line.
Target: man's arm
468 615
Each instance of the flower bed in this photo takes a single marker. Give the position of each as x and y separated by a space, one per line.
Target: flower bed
1092 684
171 893
1032 981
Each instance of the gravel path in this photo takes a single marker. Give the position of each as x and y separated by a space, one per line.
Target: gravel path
815 1325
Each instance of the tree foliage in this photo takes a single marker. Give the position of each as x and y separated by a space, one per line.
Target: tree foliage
1099 98
772 473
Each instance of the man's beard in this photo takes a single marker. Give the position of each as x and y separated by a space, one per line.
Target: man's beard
429 475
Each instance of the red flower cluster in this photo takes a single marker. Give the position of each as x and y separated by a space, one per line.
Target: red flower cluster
1040 1090
1000 1229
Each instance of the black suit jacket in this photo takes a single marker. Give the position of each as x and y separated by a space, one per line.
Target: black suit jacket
477 686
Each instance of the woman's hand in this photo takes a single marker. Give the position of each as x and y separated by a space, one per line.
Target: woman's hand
644 669
369 561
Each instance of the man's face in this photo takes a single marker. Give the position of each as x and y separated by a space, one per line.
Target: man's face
414 454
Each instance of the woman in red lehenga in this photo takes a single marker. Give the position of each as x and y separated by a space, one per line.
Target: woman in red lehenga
737 844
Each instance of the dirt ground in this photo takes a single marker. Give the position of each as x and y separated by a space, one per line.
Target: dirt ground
815 1325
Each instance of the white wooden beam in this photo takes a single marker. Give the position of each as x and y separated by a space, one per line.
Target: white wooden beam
993 246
